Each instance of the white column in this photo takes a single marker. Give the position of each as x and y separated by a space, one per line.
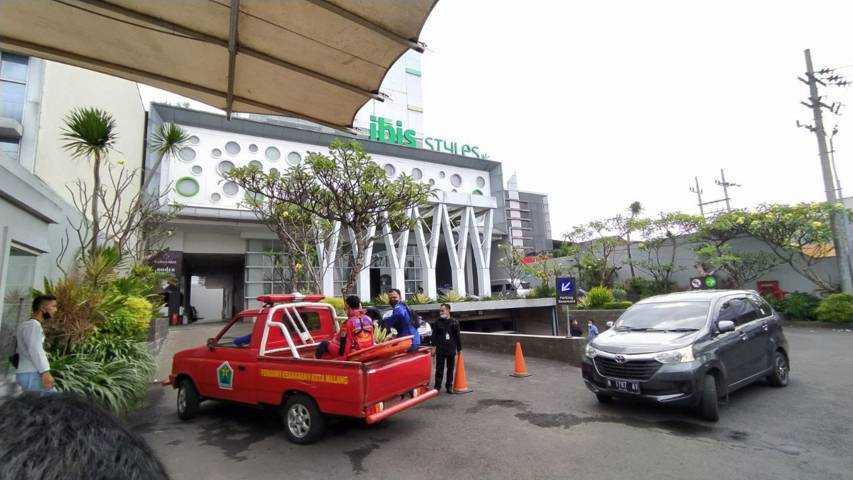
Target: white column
396 252
427 270
362 286
482 249
327 256
454 254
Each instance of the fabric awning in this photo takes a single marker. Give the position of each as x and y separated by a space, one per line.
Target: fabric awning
321 60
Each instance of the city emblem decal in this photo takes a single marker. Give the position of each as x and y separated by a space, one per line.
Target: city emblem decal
225 376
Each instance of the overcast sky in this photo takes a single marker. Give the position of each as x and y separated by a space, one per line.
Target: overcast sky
599 104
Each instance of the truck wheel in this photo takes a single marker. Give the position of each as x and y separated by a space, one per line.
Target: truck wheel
779 376
188 400
709 406
602 398
303 421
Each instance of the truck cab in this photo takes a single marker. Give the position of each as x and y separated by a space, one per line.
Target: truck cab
265 357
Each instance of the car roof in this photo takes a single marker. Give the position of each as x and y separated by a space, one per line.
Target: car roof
694 296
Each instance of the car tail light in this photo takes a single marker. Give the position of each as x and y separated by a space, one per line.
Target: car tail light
375 408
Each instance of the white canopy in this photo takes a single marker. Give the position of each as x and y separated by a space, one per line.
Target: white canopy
321 60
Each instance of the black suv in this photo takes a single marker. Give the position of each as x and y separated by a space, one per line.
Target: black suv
688 349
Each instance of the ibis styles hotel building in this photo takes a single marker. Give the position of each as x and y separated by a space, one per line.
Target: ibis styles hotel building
222 245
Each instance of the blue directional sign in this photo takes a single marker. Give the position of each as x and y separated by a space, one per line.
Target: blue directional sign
566 291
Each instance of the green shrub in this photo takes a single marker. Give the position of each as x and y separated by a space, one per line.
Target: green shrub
418 299
618 305
798 306
598 297
619 294
115 380
451 297
381 300
836 308
647 288
543 291
336 302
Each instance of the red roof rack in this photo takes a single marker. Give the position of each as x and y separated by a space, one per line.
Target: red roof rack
289 298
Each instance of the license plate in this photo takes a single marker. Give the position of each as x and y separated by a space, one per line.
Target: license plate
623 385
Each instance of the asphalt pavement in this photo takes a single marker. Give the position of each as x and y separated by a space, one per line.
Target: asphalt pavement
544 426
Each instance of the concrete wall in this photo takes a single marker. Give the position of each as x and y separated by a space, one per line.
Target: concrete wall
569 350
67 88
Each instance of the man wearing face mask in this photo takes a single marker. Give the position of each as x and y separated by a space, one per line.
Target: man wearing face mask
33 370
448 341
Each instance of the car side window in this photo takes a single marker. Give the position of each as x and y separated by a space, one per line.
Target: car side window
238 330
738 310
764 309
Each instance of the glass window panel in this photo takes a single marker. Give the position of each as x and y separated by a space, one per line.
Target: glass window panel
257 274
254 289
20 277
9 148
255 246
12 99
13 67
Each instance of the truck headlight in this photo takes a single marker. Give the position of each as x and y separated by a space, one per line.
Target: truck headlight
590 352
682 355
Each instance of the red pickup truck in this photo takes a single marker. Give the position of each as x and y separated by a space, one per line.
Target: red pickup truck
276 367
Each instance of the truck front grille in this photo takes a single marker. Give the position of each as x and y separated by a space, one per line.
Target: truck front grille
630 370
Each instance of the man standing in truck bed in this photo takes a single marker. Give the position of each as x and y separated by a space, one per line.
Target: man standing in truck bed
401 319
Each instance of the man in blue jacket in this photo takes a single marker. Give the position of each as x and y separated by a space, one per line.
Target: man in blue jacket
400 319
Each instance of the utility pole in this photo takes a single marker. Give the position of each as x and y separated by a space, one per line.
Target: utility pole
723 183
839 220
698 192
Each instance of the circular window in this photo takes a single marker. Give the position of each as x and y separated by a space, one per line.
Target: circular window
233 148
193 140
215 197
441 174
187 187
481 182
225 167
197 169
253 148
256 164
274 172
216 153
456 180
272 154
294 159
432 181
230 189
187 154
477 192
390 171
417 174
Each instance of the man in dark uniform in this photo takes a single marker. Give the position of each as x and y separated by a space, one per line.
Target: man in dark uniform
447 341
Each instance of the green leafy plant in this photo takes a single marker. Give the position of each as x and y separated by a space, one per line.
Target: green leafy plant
381 300
622 305
379 333
836 308
598 297
797 306
418 299
451 297
645 288
543 291
619 294
336 302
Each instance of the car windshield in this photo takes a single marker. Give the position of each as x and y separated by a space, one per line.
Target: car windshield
684 316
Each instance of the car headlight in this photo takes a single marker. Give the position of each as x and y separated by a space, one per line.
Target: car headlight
681 355
590 352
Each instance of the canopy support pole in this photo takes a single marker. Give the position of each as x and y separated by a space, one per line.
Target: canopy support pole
232 56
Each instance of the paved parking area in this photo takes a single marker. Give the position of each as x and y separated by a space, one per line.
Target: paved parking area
544 426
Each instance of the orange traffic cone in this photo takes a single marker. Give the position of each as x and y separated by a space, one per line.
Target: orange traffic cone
520 367
460 382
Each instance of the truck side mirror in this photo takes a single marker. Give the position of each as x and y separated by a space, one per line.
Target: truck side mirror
210 344
724 326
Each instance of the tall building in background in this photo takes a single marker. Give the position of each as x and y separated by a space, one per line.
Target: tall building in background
36 207
528 219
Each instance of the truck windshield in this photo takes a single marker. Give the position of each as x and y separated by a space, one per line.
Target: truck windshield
664 316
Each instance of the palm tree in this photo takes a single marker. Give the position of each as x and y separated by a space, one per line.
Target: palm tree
167 139
635 208
90 133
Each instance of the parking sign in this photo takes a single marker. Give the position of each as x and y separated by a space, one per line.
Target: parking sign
566 292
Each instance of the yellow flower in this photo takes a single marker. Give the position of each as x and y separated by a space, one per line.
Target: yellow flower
121 161
740 220
298 266
817 224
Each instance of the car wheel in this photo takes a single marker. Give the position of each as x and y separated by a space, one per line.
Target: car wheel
603 398
709 406
188 400
779 376
303 421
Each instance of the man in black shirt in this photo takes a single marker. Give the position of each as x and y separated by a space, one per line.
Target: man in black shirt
447 341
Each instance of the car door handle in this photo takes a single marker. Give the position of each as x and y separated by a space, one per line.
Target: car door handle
241 368
765 326
743 336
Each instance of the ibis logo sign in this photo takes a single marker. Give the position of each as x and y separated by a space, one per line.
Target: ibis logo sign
386 130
